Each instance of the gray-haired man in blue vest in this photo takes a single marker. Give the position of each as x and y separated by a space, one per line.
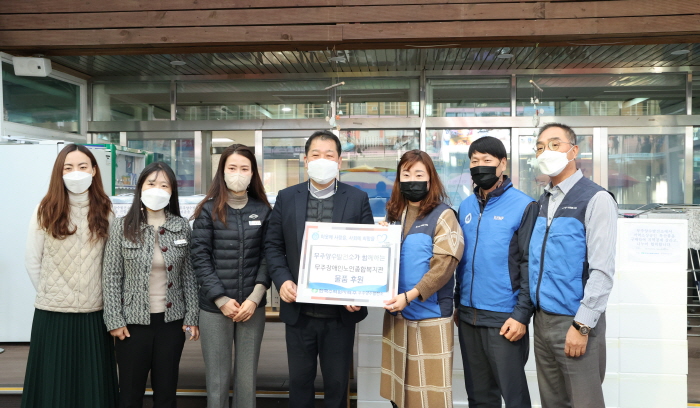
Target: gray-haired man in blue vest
572 261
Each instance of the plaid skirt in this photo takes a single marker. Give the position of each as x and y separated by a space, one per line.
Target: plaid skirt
417 362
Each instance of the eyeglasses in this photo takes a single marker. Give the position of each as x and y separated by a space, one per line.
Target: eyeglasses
552 144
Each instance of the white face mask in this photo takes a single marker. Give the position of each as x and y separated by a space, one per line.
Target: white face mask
237 182
552 163
323 171
77 182
155 198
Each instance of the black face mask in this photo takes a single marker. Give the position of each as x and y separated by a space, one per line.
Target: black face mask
484 176
414 191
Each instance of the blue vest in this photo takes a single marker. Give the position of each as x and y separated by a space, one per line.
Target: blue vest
483 272
416 252
558 253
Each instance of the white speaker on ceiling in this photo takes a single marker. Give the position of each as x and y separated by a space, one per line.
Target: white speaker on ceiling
31 66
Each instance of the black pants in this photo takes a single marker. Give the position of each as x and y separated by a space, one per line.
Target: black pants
330 341
156 348
497 365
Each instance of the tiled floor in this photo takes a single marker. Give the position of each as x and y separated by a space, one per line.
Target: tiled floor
272 371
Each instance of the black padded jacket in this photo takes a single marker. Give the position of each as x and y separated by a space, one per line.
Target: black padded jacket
226 258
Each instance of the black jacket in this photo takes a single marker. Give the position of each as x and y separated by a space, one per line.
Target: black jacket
226 258
285 231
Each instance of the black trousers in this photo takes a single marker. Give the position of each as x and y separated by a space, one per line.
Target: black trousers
329 341
156 348
497 366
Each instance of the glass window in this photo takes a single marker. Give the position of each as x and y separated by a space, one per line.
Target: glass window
602 95
468 97
111 137
282 166
378 97
449 149
178 154
532 181
246 99
370 158
131 101
696 93
644 168
696 165
40 101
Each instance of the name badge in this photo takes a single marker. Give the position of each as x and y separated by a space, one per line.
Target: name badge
180 242
257 222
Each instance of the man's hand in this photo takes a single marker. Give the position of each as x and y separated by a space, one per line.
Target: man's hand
455 317
288 292
513 330
245 312
351 308
230 308
575 345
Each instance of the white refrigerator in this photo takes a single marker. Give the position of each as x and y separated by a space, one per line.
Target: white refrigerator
25 170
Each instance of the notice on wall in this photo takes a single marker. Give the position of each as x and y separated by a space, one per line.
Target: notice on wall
654 241
349 264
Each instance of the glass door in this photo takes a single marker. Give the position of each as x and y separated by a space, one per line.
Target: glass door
530 180
369 160
646 165
449 149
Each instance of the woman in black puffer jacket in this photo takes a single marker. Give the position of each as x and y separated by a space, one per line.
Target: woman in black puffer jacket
228 260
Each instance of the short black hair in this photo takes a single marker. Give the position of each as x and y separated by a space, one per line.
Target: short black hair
569 132
488 145
323 135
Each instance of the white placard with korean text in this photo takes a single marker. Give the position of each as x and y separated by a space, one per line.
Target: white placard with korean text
644 244
349 264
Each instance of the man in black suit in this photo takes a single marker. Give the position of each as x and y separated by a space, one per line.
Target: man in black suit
326 332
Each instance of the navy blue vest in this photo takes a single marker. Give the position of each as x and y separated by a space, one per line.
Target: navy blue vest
558 253
416 252
483 272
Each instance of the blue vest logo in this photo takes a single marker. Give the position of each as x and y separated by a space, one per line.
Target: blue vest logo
468 218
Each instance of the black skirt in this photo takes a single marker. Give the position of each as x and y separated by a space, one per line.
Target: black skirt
71 362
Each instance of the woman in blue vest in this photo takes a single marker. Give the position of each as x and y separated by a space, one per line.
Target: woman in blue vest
418 331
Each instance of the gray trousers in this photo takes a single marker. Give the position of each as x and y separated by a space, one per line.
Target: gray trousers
217 334
566 382
497 366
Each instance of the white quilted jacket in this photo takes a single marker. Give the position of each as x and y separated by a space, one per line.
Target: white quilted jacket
66 273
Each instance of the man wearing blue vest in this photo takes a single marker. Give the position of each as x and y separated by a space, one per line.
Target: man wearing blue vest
492 295
572 262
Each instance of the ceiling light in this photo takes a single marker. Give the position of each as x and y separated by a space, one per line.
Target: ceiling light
505 56
680 52
222 140
177 63
286 109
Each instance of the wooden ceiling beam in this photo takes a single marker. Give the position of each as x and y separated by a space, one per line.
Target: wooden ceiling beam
92 6
677 38
397 34
273 16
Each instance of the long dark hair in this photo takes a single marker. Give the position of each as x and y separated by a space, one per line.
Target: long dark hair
218 190
53 215
436 193
138 213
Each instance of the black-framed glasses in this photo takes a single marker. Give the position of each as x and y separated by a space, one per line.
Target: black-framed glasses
553 145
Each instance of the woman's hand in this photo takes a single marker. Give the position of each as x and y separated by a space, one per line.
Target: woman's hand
121 332
245 312
383 223
399 302
230 308
193 332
